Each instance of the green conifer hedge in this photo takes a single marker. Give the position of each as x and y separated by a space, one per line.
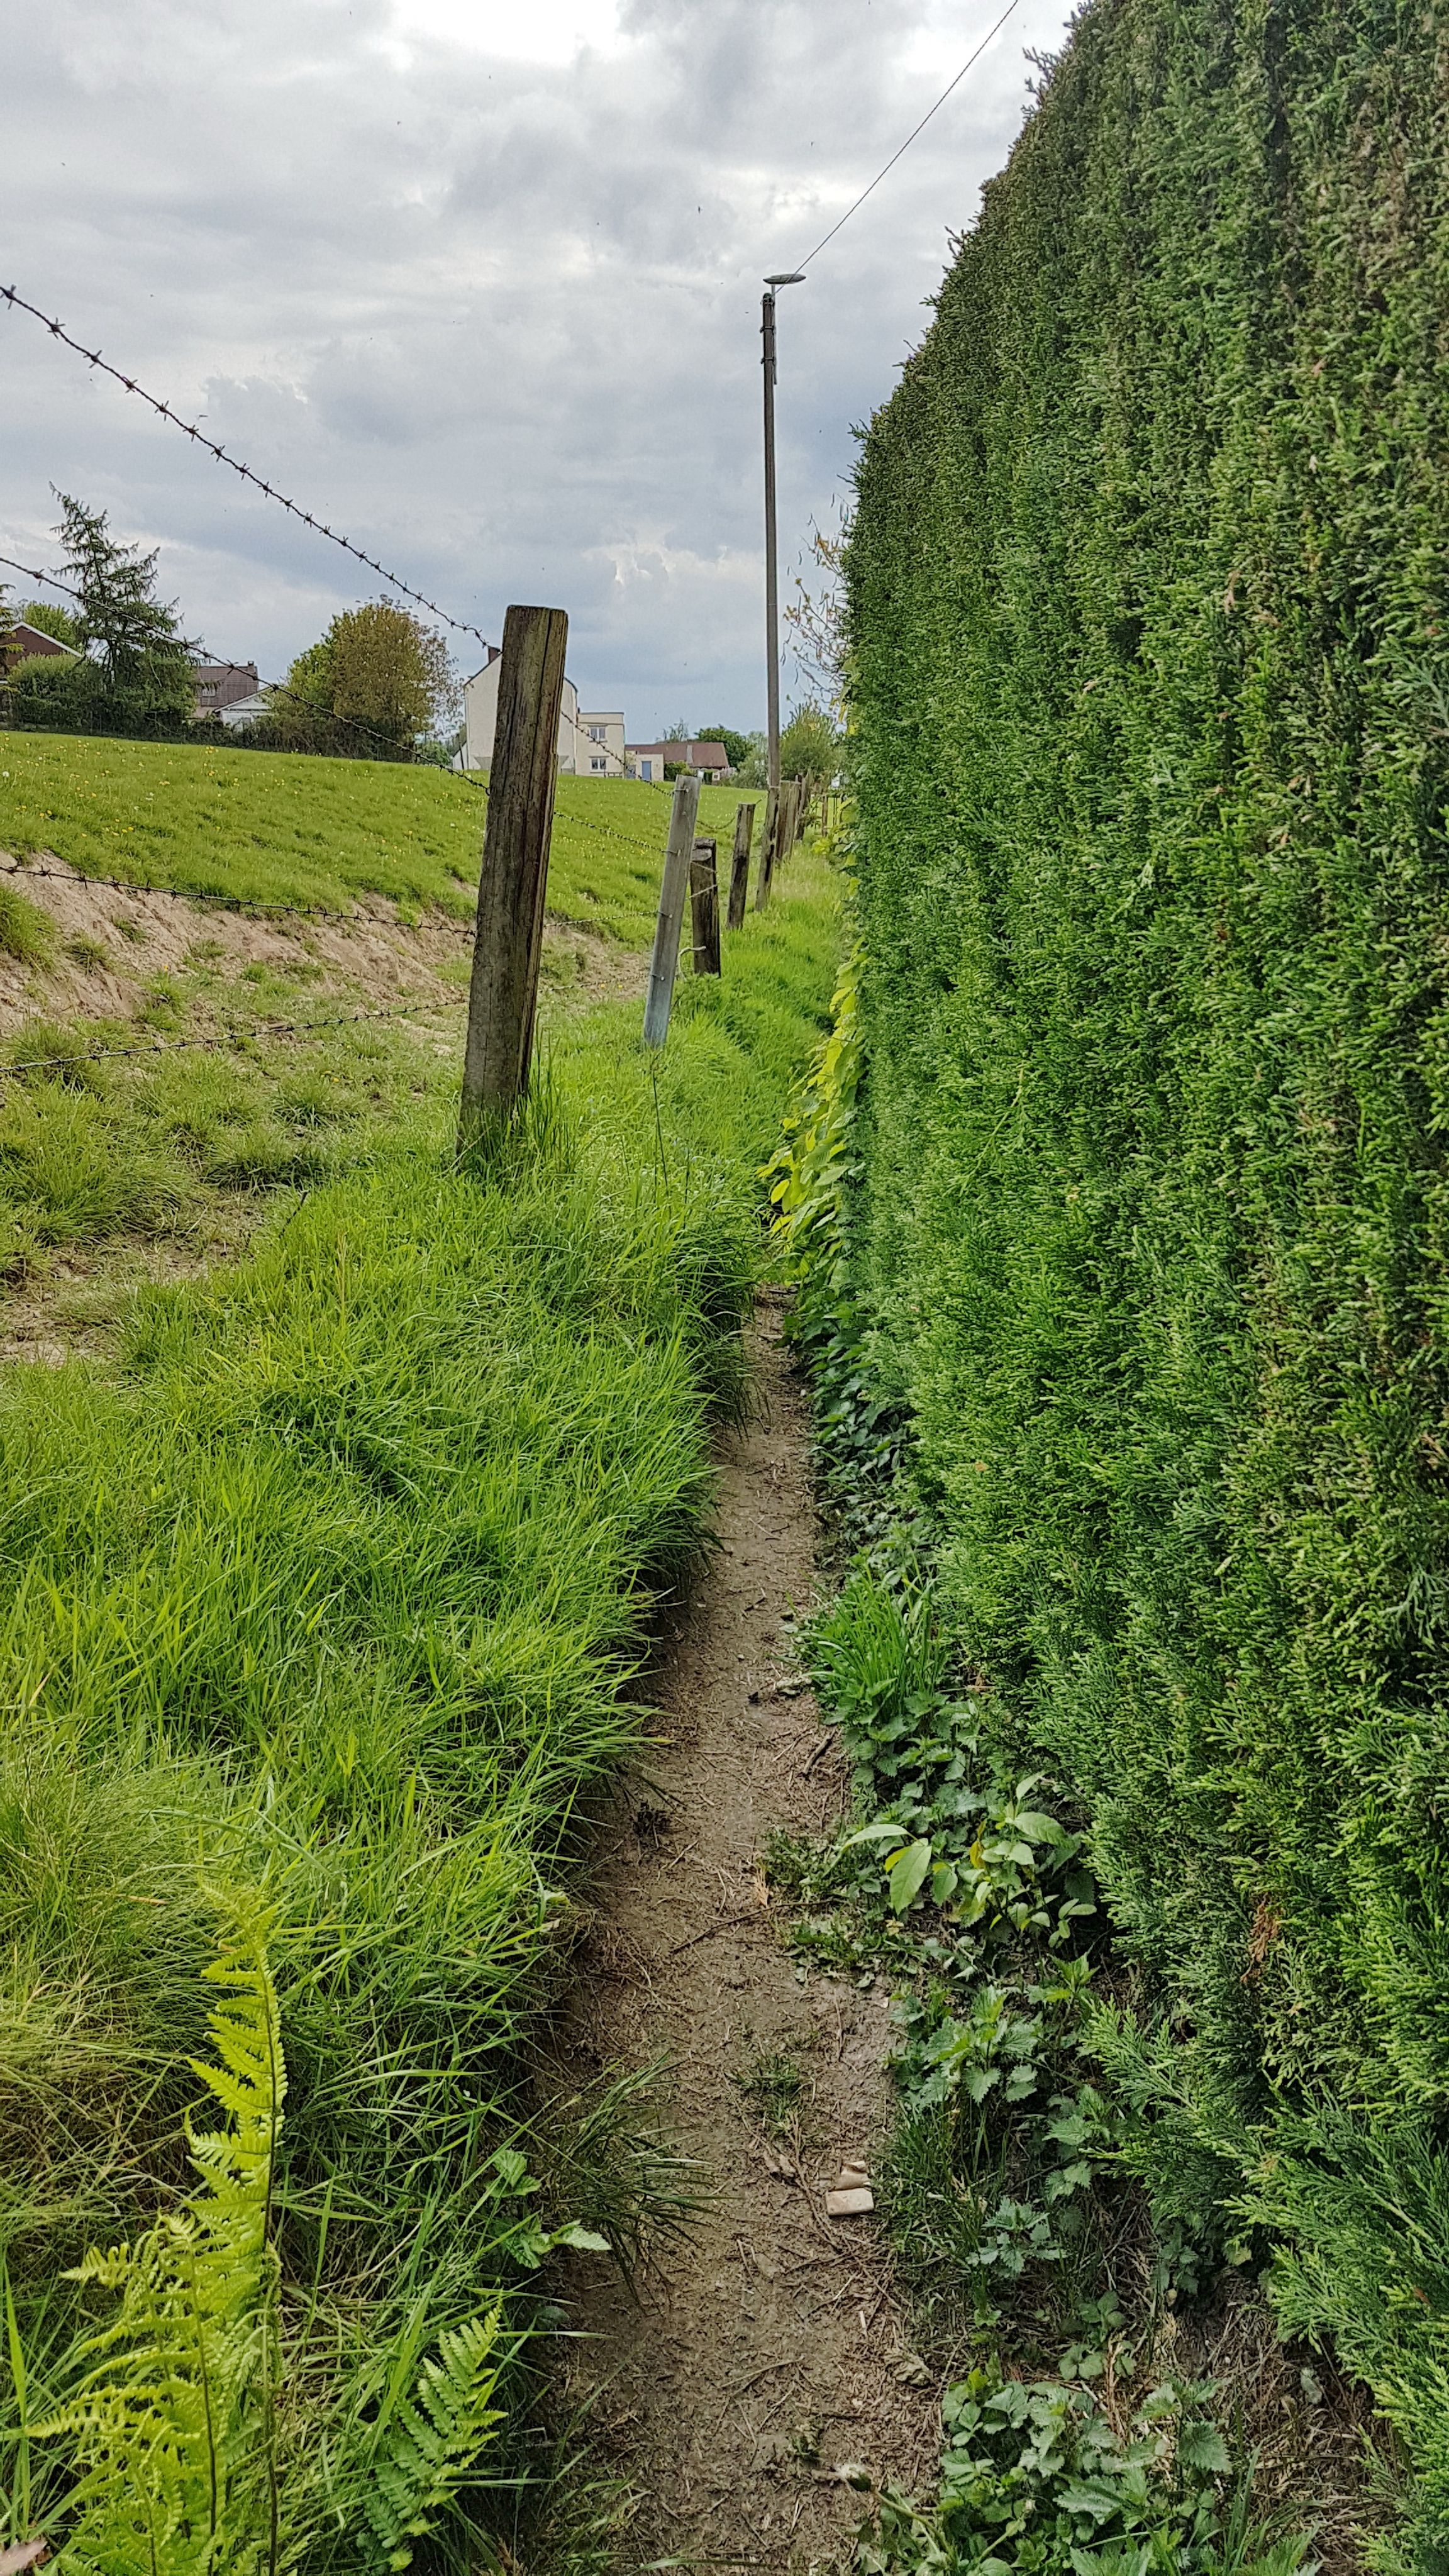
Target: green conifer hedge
1149 592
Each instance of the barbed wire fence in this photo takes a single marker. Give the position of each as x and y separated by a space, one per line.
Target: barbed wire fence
219 1039
278 689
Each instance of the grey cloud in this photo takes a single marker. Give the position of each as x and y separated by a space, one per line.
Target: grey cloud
497 319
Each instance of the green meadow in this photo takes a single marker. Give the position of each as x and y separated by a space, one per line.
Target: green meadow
327 1573
274 827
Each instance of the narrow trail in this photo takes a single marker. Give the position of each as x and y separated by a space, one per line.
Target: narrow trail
769 2350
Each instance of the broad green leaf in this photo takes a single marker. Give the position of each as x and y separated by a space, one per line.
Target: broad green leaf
907 1874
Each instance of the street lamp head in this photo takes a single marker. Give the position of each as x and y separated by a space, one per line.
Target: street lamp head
795 278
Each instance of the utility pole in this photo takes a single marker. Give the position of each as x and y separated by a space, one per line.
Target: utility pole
796 277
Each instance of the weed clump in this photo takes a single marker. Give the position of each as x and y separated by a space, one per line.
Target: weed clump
26 933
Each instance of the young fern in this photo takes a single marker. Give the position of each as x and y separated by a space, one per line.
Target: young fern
174 2422
426 2451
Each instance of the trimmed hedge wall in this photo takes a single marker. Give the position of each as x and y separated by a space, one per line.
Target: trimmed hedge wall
1149 592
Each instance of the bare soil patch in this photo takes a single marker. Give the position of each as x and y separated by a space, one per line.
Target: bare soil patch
111 946
766 2368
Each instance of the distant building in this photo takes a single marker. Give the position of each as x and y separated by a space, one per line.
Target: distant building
589 746
238 713
223 684
710 760
600 749
20 641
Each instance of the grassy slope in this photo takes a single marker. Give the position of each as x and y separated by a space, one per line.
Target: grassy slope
334 1576
281 828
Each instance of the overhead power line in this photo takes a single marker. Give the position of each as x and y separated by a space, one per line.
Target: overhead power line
910 138
93 358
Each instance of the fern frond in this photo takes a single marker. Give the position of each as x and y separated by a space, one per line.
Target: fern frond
172 2421
428 2447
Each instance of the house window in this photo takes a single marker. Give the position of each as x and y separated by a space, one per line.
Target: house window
596 733
598 764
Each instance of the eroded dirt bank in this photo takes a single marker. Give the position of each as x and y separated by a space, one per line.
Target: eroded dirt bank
768 2353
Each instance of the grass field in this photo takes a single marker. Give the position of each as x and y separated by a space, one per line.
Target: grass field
283 828
325 1575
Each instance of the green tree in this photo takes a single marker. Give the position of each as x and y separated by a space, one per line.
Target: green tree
135 638
736 744
754 769
810 746
135 671
52 619
377 682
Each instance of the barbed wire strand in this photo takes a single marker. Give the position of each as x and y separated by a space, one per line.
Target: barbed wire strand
231 1037
460 625
249 903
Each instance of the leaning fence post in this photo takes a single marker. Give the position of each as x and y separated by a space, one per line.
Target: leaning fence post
664 963
740 862
513 878
766 870
704 907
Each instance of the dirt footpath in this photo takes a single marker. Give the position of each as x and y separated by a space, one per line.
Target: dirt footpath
766 2369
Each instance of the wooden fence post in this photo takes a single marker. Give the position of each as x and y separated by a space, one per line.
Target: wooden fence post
740 863
513 879
704 907
764 874
664 964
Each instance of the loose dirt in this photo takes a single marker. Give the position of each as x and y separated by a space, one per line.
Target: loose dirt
765 2373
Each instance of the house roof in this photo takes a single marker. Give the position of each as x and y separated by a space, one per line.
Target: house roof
22 639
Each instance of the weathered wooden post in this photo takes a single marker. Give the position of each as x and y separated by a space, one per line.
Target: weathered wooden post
513 879
764 874
664 963
704 907
740 862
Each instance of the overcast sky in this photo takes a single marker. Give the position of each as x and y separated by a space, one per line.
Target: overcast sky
478 281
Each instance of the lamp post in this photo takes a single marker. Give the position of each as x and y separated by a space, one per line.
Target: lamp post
796 277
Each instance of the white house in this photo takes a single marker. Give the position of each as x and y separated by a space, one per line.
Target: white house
238 713
601 745
589 746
